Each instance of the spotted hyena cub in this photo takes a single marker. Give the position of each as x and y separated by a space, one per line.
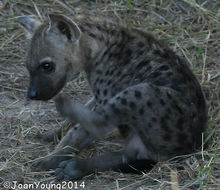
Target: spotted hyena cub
140 87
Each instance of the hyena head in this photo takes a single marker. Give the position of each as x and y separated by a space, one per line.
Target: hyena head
52 58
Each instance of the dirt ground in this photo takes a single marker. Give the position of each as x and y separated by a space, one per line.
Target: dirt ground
191 27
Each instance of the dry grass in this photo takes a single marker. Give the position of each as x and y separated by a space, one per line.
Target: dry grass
191 27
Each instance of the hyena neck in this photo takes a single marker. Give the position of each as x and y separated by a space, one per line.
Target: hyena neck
105 44
93 44
99 41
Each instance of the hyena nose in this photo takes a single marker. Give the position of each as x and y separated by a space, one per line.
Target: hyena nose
32 94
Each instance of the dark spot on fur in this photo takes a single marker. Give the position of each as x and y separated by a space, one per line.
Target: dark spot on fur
105 101
148 68
163 124
131 38
161 82
180 123
164 68
168 110
122 77
107 72
125 92
163 147
92 35
139 76
117 55
167 137
155 74
125 61
141 111
118 73
169 74
149 125
124 130
157 90
193 115
113 93
98 71
112 105
178 149
109 82
105 53
106 117
82 28
142 64
99 27
189 145
154 119
123 101
97 80
132 105
111 73
157 52
169 95
178 82
182 137
115 109
98 91
113 32
111 55
149 104
134 118
105 92
177 108
140 52
162 102
190 127
167 116
114 85
166 55
137 94
128 52
140 44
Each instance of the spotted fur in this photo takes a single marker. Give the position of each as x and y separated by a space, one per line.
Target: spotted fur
140 86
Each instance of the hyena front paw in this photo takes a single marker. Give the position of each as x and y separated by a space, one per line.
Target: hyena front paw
47 163
69 170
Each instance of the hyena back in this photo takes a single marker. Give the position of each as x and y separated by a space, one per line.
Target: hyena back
140 86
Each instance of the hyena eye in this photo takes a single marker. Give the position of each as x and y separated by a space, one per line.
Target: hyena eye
48 67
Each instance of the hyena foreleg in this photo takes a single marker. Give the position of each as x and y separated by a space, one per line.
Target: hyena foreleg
94 123
75 140
51 136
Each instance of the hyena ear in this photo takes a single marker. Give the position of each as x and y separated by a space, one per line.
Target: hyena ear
30 24
65 26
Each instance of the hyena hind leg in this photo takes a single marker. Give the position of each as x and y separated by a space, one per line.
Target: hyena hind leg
119 161
149 127
127 160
